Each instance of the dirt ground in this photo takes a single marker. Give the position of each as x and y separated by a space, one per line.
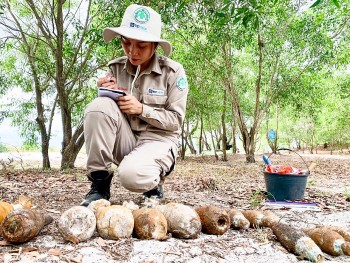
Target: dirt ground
196 181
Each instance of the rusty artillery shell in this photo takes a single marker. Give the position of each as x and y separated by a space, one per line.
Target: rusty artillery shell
269 218
183 221
150 223
5 209
329 241
343 231
24 224
238 221
114 222
260 218
254 217
295 241
95 205
346 248
215 221
77 224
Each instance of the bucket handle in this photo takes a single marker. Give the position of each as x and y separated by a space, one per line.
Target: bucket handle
286 149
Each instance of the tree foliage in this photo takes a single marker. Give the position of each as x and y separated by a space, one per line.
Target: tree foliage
283 63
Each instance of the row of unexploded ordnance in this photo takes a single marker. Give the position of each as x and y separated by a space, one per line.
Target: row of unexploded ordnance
115 221
181 221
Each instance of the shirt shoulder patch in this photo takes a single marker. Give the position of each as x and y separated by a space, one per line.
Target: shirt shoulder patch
181 83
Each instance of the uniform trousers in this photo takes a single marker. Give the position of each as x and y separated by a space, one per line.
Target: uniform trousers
142 164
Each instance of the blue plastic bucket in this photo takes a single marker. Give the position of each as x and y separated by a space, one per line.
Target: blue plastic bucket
281 187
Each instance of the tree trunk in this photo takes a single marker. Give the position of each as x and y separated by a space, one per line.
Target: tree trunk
68 157
190 145
212 140
332 144
31 52
183 142
224 137
188 138
201 136
68 150
40 119
234 143
52 25
45 152
233 125
207 145
248 135
249 146
313 135
272 144
71 151
72 143
218 138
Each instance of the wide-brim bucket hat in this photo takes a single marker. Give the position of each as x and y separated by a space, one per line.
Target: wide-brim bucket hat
140 23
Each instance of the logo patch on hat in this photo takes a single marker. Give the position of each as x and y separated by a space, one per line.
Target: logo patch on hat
142 15
181 83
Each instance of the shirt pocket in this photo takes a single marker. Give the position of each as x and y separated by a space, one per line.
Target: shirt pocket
154 100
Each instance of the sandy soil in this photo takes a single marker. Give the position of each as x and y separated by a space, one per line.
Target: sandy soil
197 181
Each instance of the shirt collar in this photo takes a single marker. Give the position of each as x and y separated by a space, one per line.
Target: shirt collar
153 66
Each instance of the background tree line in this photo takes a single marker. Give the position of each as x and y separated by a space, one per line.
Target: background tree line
252 66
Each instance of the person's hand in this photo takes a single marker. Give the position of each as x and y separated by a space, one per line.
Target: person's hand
129 104
107 82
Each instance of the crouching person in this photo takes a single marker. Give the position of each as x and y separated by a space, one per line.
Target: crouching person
138 131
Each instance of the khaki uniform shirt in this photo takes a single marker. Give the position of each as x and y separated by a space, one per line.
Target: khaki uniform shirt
162 89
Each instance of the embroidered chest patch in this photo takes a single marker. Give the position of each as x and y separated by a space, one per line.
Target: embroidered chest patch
157 92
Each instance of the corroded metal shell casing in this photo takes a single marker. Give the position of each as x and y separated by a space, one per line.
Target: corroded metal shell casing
297 242
270 218
114 222
183 221
215 221
77 224
24 224
254 217
343 231
238 221
150 223
5 209
329 241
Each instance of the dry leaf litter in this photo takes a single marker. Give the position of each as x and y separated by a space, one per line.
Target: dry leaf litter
197 181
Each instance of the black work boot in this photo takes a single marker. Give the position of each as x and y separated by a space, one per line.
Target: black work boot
157 192
100 187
